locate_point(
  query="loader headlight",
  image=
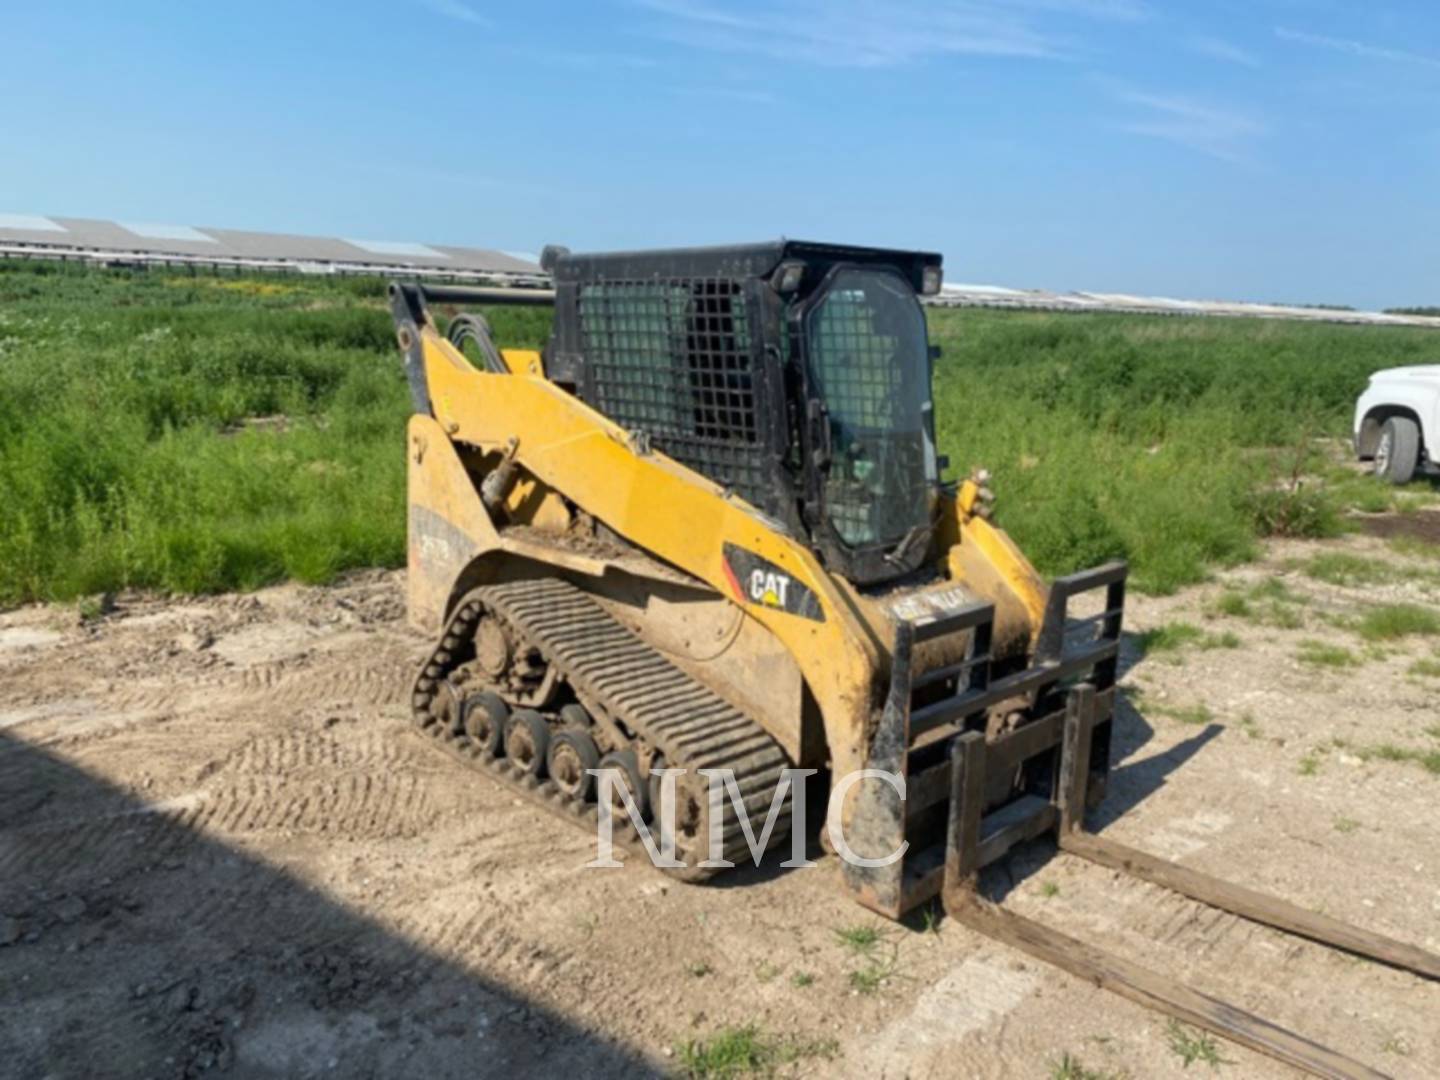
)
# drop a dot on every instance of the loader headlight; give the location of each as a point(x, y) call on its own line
point(930, 280)
point(787, 277)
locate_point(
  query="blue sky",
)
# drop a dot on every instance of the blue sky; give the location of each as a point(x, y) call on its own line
point(1249, 149)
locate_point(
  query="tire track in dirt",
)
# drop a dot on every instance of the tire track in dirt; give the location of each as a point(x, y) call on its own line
point(1193, 928)
point(261, 678)
point(293, 684)
point(58, 853)
point(341, 791)
point(283, 752)
point(490, 933)
point(350, 805)
point(1202, 938)
point(147, 698)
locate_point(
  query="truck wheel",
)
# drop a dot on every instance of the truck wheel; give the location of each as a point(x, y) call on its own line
point(1398, 453)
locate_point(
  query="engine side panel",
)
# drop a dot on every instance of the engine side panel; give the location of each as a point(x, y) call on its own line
point(448, 525)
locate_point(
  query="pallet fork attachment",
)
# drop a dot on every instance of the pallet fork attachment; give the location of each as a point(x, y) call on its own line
point(969, 829)
point(929, 714)
point(948, 759)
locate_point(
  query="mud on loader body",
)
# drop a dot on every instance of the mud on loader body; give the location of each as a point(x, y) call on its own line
point(707, 528)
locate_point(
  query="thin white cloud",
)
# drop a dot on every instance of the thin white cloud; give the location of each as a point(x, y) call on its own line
point(697, 11)
point(883, 33)
point(1220, 49)
point(456, 9)
point(1207, 129)
point(1357, 48)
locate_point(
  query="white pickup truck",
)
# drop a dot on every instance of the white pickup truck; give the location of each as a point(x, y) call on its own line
point(1397, 422)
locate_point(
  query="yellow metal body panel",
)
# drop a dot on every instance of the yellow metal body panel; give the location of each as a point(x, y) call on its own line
point(999, 551)
point(448, 524)
point(523, 361)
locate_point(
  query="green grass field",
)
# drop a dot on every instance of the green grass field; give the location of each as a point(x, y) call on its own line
point(203, 434)
point(1172, 441)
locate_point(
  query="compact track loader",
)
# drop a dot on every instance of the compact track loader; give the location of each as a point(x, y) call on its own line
point(708, 528)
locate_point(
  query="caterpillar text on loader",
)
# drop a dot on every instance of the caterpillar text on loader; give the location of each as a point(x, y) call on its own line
point(707, 528)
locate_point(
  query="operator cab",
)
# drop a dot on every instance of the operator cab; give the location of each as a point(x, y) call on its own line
point(797, 375)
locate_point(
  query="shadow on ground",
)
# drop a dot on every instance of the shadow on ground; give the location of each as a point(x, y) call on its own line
point(133, 945)
point(1133, 779)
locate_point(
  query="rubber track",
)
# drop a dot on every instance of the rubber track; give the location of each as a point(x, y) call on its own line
point(608, 665)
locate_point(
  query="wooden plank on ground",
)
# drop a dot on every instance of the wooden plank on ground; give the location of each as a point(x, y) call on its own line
point(1249, 904)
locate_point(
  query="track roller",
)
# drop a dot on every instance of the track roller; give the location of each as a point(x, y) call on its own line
point(629, 767)
point(572, 754)
point(486, 716)
point(527, 740)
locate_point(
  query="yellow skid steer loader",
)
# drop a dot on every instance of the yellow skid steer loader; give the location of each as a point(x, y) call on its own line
point(708, 528)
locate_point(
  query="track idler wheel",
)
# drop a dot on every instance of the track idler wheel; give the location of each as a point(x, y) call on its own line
point(493, 649)
point(486, 716)
point(572, 754)
point(527, 741)
point(629, 767)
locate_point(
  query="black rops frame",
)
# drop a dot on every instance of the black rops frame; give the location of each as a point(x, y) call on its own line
point(566, 361)
point(752, 267)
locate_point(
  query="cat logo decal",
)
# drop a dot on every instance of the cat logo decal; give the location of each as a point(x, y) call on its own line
point(754, 580)
point(768, 588)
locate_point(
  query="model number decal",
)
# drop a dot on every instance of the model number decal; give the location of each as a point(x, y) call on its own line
point(940, 602)
point(759, 581)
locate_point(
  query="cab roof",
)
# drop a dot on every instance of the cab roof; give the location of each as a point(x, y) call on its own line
point(728, 261)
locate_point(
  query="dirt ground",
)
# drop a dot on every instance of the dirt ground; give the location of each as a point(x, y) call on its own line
point(222, 849)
